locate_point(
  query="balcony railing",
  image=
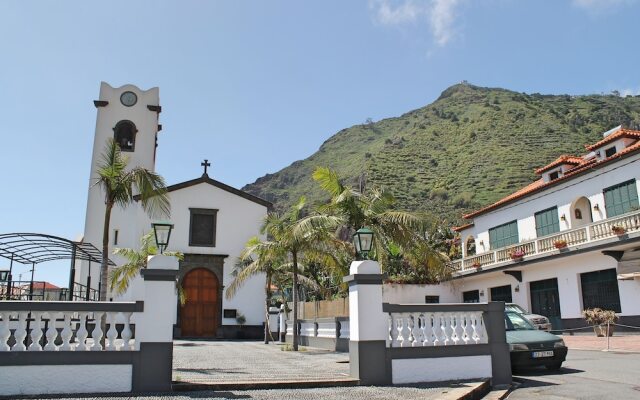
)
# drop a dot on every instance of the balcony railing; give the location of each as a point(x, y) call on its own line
point(605, 229)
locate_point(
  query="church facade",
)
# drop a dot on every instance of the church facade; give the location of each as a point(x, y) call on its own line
point(212, 223)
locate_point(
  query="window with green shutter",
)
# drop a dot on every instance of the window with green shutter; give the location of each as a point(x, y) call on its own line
point(503, 235)
point(600, 289)
point(621, 198)
point(547, 222)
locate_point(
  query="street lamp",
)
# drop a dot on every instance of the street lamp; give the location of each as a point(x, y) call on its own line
point(363, 241)
point(162, 232)
point(4, 274)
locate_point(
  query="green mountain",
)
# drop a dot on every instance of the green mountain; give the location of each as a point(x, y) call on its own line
point(469, 148)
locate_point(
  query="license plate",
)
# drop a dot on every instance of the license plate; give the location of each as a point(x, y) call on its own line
point(541, 354)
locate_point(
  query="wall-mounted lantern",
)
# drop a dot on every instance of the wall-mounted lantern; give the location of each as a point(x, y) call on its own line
point(4, 274)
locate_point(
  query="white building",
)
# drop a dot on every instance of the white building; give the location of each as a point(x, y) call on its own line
point(213, 222)
point(578, 202)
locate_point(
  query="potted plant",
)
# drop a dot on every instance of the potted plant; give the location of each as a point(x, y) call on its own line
point(618, 230)
point(241, 320)
point(560, 244)
point(601, 320)
point(517, 255)
point(477, 265)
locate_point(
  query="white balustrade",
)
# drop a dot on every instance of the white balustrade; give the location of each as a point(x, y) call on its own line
point(327, 329)
point(307, 328)
point(64, 330)
point(630, 223)
point(424, 329)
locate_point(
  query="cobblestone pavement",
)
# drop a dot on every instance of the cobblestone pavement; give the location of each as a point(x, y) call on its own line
point(592, 342)
point(236, 361)
point(339, 393)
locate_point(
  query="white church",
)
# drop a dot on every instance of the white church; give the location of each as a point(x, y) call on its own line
point(212, 222)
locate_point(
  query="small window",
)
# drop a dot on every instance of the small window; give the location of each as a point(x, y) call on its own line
point(472, 296)
point(432, 299)
point(229, 313)
point(202, 230)
point(125, 135)
point(578, 213)
point(471, 246)
point(115, 237)
point(610, 151)
point(554, 175)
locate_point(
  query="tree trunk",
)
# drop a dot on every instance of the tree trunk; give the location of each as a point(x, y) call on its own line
point(295, 301)
point(104, 267)
point(267, 328)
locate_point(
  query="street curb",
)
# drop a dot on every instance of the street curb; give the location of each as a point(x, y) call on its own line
point(476, 393)
point(298, 384)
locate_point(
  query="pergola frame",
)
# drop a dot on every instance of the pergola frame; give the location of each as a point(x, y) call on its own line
point(36, 248)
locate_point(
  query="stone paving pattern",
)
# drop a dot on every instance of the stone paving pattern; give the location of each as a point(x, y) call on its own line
point(592, 342)
point(236, 361)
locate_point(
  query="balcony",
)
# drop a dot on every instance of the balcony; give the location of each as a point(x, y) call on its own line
point(586, 235)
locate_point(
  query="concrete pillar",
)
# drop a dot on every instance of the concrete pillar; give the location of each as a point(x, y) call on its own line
point(368, 324)
point(154, 326)
point(500, 356)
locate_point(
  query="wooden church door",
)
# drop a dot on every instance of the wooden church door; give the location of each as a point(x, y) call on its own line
point(199, 316)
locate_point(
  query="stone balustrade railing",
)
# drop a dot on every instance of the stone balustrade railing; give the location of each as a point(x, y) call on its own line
point(414, 325)
point(67, 326)
point(325, 333)
point(592, 233)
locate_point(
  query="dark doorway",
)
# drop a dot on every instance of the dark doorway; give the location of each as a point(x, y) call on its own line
point(199, 316)
point(545, 300)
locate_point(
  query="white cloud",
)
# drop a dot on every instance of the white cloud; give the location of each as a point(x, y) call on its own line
point(601, 6)
point(439, 15)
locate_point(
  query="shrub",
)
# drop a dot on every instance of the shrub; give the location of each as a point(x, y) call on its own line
point(598, 316)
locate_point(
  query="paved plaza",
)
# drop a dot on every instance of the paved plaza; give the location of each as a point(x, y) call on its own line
point(246, 361)
point(618, 342)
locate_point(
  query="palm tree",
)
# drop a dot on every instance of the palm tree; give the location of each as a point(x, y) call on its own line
point(372, 209)
point(121, 277)
point(119, 185)
point(291, 238)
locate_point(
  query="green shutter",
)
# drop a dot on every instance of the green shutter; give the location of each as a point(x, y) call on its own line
point(503, 235)
point(547, 222)
point(621, 198)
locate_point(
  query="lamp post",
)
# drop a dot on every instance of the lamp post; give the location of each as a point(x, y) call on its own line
point(4, 274)
point(363, 242)
point(162, 233)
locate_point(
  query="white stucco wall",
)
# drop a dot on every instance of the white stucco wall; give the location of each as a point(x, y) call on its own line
point(401, 294)
point(567, 270)
point(561, 195)
point(440, 369)
point(56, 379)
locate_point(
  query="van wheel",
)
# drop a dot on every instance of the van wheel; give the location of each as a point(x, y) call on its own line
point(554, 366)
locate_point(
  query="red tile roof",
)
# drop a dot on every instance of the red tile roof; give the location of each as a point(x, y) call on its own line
point(622, 133)
point(40, 285)
point(572, 173)
point(563, 159)
point(462, 227)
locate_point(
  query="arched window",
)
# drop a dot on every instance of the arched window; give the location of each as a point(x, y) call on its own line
point(471, 246)
point(125, 135)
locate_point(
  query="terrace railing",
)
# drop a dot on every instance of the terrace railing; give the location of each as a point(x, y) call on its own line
point(585, 235)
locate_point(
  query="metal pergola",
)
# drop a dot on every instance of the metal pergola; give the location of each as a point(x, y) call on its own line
point(36, 248)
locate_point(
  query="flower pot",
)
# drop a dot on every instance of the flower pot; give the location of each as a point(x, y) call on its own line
point(517, 258)
point(560, 246)
point(601, 330)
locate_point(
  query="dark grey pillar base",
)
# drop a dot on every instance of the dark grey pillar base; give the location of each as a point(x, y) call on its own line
point(152, 367)
point(368, 362)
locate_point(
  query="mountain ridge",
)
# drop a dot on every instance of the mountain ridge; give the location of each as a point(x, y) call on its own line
point(470, 147)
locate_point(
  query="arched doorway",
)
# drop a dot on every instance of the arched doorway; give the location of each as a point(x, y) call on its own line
point(580, 212)
point(199, 315)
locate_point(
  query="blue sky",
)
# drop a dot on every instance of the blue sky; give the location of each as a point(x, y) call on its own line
point(256, 85)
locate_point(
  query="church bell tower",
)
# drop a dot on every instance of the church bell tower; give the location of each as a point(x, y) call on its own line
point(129, 115)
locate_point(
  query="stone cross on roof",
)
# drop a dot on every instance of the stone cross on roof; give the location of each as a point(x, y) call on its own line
point(205, 164)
